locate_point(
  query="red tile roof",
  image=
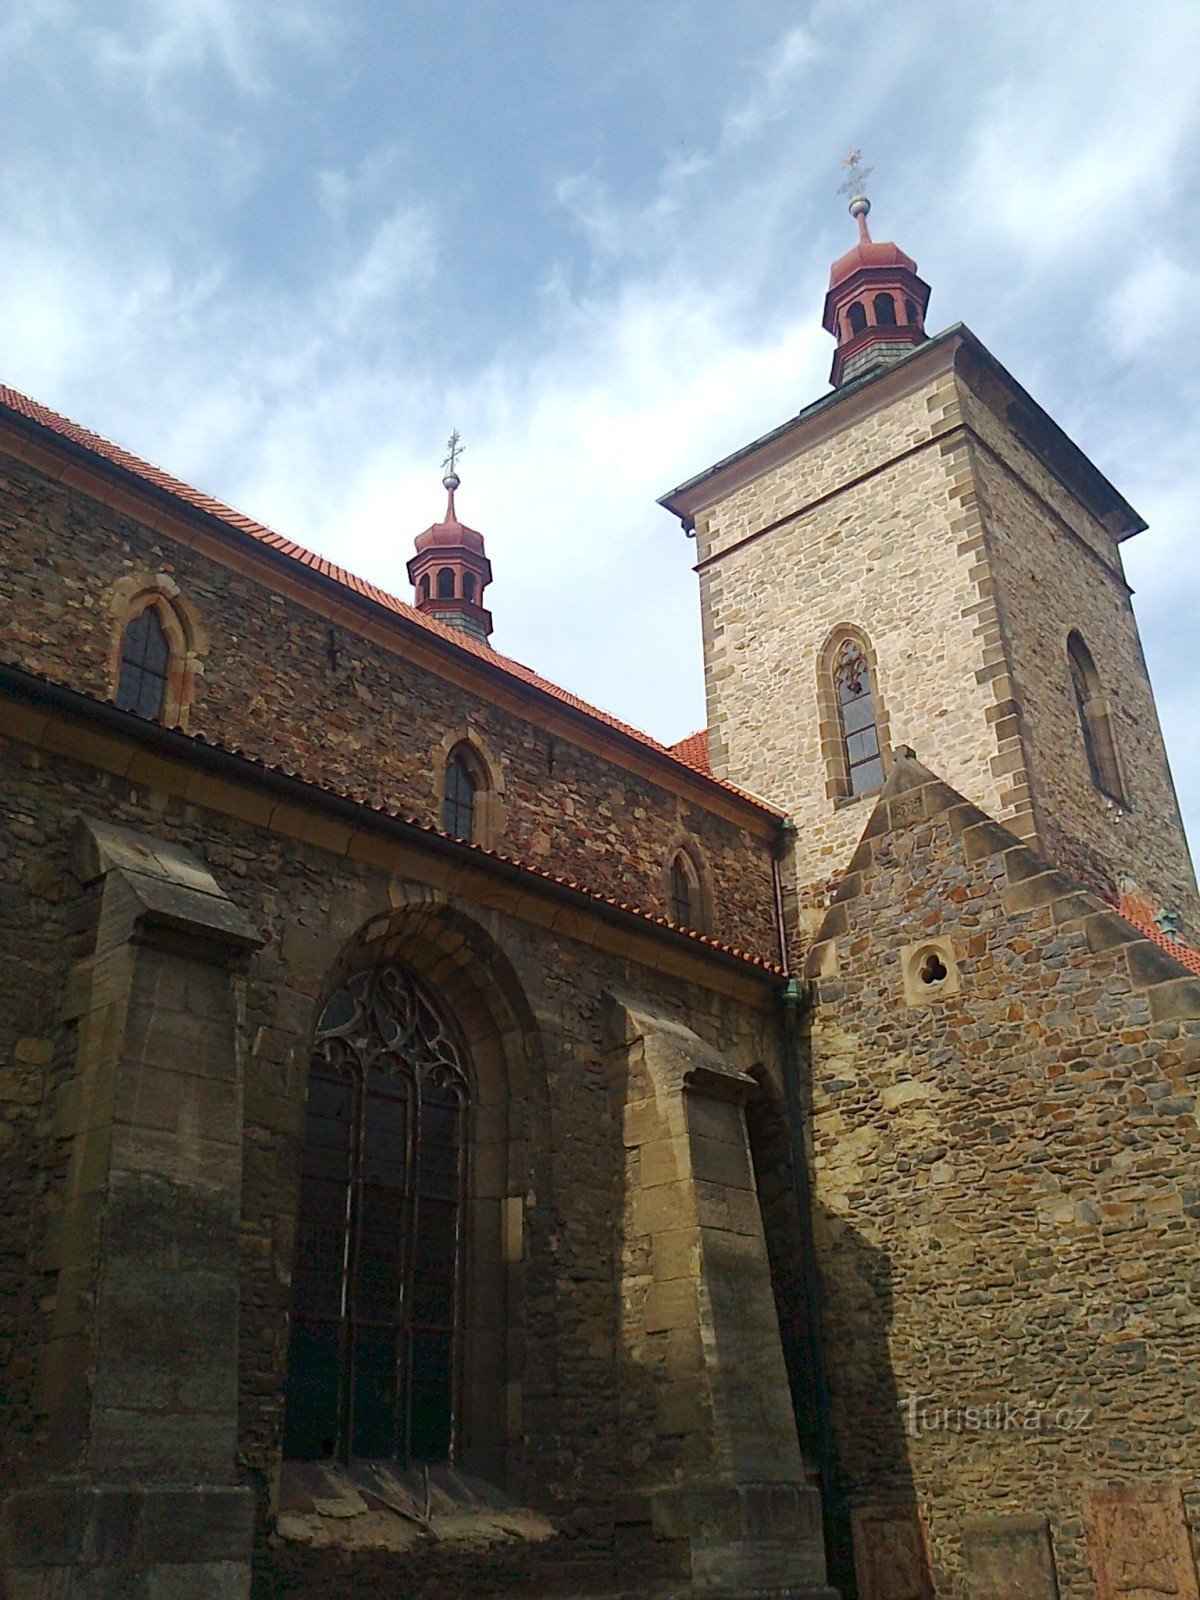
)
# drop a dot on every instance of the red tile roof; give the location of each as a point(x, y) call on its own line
point(64, 428)
point(693, 752)
point(1140, 914)
point(150, 732)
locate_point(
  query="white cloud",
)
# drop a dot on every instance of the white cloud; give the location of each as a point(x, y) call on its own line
point(1151, 306)
point(157, 41)
point(319, 401)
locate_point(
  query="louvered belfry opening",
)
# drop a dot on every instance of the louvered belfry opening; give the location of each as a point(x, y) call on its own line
point(377, 1284)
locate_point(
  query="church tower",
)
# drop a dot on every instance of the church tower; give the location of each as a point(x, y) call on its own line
point(923, 558)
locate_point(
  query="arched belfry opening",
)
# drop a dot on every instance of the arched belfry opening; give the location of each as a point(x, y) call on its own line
point(409, 1210)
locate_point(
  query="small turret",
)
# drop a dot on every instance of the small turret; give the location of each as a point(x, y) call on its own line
point(875, 307)
point(450, 570)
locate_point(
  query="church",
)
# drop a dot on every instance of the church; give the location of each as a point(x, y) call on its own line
point(455, 1144)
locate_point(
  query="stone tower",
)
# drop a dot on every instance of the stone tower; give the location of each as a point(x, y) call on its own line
point(923, 558)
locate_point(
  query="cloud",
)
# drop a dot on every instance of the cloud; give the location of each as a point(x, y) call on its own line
point(158, 41)
point(274, 329)
point(774, 92)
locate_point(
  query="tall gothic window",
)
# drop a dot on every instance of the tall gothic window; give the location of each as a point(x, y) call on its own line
point(1095, 722)
point(145, 661)
point(856, 708)
point(458, 801)
point(376, 1289)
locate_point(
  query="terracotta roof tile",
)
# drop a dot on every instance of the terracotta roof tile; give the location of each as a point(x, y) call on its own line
point(1140, 913)
point(64, 428)
point(139, 726)
point(693, 752)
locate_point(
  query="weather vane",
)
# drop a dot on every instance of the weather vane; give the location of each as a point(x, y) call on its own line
point(455, 448)
point(856, 180)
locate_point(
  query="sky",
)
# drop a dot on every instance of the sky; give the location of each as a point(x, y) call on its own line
point(283, 250)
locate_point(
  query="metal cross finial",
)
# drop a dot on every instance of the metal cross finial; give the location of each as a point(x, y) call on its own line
point(455, 447)
point(857, 174)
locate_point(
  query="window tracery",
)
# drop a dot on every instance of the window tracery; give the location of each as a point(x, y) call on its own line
point(376, 1288)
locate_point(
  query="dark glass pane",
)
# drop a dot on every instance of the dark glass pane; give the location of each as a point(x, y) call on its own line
point(376, 1393)
point(310, 1425)
point(437, 1226)
point(681, 895)
point(433, 1301)
point(385, 1140)
point(458, 810)
point(861, 746)
point(156, 652)
point(145, 658)
point(858, 713)
point(866, 777)
point(432, 1395)
point(320, 1249)
point(379, 1256)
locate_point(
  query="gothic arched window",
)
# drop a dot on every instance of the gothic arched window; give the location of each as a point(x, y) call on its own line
point(376, 1288)
point(458, 798)
point(445, 583)
point(683, 892)
point(145, 665)
point(1095, 721)
point(857, 317)
point(856, 709)
point(885, 311)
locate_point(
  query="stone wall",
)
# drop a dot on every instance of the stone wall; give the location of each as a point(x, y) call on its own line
point(1056, 569)
point(877, 528)
point(289, 686)
point(544, 1409)
point(1005, 1209)
point(913, 511)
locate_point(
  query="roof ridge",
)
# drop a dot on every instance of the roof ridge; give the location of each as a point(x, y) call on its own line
point(34, 411)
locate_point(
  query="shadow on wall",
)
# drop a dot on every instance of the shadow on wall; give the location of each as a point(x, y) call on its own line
point(833, 1323)
point(877, 1537)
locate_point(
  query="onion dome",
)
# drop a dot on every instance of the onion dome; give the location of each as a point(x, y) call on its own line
point(450, 569)
point(875, 307)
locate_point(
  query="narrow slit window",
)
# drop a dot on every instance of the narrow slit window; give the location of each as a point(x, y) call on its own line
point(856, 707)
point(458, 803)
point(145, 662)
point(376, 1288)
point(683, 894)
